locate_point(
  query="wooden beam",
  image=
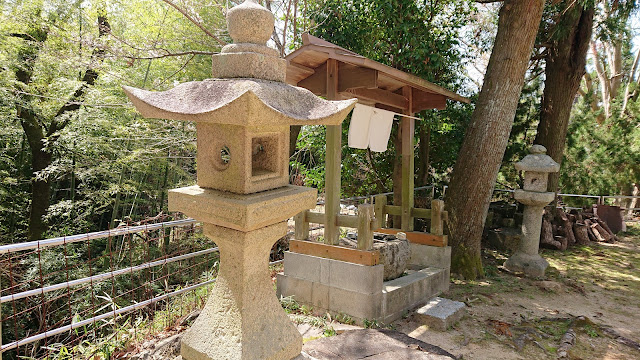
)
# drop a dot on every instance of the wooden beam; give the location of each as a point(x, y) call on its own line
point(437, 207)
point(368, 258)
point(380, 96)
point(380, 201)
point(333, 159)
point(407, 127)
point(301, 226)
point(394, 210)
point(297, 73)
point(353, 77)
point(365, 235)
point(317, 83)
point(421, 213)
point(424, 100)
point(419, 237)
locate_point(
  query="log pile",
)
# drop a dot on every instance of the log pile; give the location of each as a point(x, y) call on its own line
point(577, 227)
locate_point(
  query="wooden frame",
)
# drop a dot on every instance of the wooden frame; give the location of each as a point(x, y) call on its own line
point(362, 257)
point(419, 237)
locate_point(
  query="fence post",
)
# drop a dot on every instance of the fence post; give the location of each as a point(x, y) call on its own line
point(301, 227)
point(365, 234)
point(379, 204)
point(437, 207)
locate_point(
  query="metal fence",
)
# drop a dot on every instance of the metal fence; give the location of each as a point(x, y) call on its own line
point(66, 297)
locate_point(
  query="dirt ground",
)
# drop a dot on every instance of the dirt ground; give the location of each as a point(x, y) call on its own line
point(517, 318)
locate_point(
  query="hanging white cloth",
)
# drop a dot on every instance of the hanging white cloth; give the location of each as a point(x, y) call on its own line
point(359, 127)
point(380, 129)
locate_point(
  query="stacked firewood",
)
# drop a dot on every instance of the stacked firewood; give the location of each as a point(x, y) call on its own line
point(577, 227)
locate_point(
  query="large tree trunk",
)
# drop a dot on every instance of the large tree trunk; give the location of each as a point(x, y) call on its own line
point(565, 67)
point(485, 141)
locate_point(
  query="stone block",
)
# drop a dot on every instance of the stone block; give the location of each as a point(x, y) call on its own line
point(394, 255)
point(242, 212)
point(440, 314)
point(334, 273)
point(356, 304)
point(401, 295)
point(423, 256)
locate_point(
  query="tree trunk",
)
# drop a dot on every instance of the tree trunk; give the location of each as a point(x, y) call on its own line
point(485, 141)
point(293, 138)
point(40, 190)
point(565, 67)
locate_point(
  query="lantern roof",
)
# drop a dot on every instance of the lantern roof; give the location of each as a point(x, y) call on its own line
point(538, 161)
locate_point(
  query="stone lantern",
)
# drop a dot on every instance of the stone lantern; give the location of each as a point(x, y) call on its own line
point(536, 166)
point(243, 196)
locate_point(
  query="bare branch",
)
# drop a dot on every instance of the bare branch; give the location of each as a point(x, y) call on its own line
point(195, 22)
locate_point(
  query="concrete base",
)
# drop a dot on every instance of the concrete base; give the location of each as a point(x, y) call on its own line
point(531, 265)
point(242, 319)
point(440, 314)
point(357, 290)
point(402, 295)
point(423, 256)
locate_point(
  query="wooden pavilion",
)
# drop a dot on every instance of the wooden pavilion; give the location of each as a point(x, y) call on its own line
point(336, 74)
point(340, 279)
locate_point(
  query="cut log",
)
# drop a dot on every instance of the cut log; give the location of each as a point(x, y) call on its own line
point(567, 226)
point(594, 227)
point(581, 234)
point(564, 242)
point(590, 233)
point(606, 227)
point(546, 236)
point(606, 236)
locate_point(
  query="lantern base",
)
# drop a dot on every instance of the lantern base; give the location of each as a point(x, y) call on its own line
point(243, 319)
point(531, 265)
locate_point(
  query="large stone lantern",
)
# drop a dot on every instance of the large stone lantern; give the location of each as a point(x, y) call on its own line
point(536, 166)
point(243, 196)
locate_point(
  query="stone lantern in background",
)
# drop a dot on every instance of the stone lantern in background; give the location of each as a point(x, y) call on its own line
point(243, 196)
point(536, 166)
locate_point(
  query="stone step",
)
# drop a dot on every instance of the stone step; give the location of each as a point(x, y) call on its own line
point(402, 295)
point(440, 314)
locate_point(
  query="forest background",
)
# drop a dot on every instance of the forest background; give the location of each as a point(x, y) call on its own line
point(75, 157)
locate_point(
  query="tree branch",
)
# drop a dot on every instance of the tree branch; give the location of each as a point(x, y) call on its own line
point(196, 22)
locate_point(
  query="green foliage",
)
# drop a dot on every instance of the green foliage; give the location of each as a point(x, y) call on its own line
point(108, 164)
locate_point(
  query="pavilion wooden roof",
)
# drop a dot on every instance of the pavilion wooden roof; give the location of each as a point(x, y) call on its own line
point(371, 82)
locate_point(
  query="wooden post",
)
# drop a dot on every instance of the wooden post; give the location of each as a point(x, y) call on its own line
point(365, 234)
point(380, 201)
point(437, 207)
point(301, 227)
point(332, 163)
point(408, 128)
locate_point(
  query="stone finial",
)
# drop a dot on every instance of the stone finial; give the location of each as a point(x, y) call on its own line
point(251, 23)
point(538, 149)
point(250, 26)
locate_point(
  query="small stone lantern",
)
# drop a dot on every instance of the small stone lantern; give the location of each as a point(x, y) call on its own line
point(243, 196)
point(536, 166)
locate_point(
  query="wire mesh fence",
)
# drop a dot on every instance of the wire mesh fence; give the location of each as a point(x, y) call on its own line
point(74, 297)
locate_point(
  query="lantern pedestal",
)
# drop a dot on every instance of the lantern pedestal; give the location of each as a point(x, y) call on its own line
point(243, 318)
